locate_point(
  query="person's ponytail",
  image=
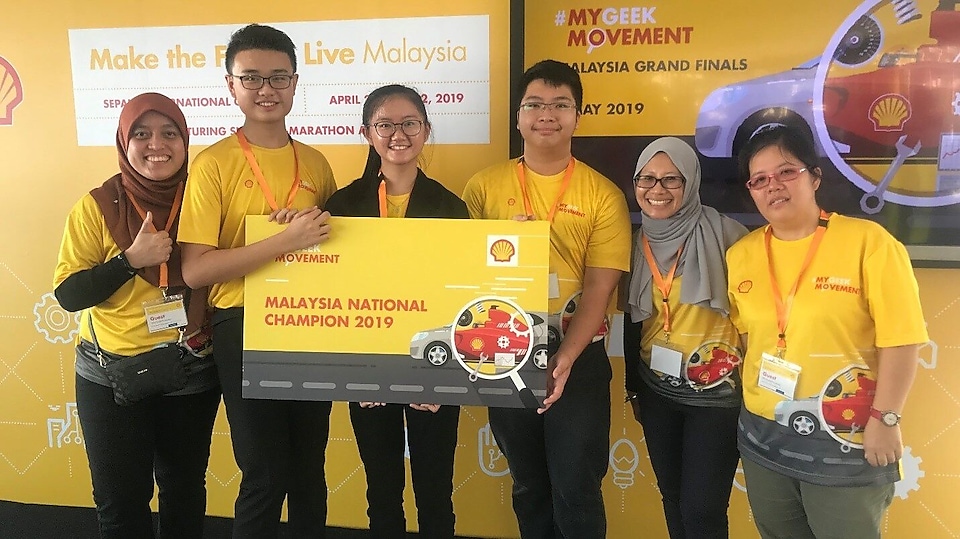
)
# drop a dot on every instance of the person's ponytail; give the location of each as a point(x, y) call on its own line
point(371, 170)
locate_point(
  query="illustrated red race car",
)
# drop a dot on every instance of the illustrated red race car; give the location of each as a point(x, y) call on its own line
point(707, 371)
point(916, 94)
point(567, 315)
point(498, 334)
point(851, 409)
point(913, 92)
point(847, 413)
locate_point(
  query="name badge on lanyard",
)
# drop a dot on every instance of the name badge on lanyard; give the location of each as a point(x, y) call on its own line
point(166, 313)
point(666, 359)
point(779, 375)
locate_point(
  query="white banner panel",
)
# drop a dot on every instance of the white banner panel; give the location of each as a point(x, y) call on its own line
point(447, 59)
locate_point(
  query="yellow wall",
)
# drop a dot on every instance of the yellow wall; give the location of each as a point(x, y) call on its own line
point(44, 172)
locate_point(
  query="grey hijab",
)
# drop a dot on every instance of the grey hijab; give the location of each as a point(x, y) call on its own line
point(700, 229)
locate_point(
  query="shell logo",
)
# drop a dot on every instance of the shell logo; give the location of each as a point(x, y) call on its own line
point(11, 91)
point(502, 250)
point(745, 286)
point(476, 344)
point(889, 112)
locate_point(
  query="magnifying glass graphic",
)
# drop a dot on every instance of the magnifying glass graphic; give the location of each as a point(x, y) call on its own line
point(493, 338)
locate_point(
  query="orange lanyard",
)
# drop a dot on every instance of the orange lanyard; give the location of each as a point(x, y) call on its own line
point(174, 210)
point(784, 306)
point(664, 285)
point(527, 206)
point(382, 195)
point(252, 161)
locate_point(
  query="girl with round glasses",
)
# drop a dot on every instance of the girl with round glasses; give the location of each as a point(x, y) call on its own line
point(395, 126)
point(682, 375)
point(830, 312)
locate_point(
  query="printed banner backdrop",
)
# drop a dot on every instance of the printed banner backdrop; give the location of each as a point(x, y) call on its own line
point(456, 315)
point(875, 83)
point(340, 61)
point(46, 170)
point(713, 73)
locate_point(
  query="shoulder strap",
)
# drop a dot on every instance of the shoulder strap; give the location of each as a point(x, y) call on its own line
point(93, 334)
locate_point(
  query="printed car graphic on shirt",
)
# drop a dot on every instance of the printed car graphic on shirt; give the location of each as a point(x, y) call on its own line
point(708, 371)
point(841, 412)
point(559, 322)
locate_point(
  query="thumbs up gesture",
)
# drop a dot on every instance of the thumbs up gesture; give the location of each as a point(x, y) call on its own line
point(150, 247)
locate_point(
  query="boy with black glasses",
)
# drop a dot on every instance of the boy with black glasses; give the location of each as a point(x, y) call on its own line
point(279, 445)
point(558, 454)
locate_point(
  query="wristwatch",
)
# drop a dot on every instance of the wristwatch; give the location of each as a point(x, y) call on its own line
point(126, 264)
point(888, 417)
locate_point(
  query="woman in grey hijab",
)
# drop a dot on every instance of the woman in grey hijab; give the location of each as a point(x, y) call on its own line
point(682, 375)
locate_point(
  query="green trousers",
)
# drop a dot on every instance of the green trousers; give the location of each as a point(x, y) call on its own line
point(787, 508)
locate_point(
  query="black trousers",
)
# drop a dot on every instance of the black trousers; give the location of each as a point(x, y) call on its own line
point(694, 455)
point(558, 459)
point(127, 446)
point(432, 441)
point(279, 447)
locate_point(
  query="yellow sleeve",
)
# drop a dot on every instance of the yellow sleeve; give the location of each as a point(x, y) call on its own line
point(202, 203)
point(893, 296)
point(474, 196)
point(732, 283)
point(82, 246)
point(610, 241)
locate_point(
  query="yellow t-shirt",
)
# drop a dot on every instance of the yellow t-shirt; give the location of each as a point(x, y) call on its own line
point(397, 205)
point(222, 191)
point(710, 346)
point(858, 294)
point(591, 226)
point(119, 322)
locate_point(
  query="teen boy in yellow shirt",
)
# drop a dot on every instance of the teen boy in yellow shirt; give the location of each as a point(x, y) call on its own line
point(558, 454)
point(279, 445)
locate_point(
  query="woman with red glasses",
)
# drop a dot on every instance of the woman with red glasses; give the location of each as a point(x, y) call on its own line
point(829, 310)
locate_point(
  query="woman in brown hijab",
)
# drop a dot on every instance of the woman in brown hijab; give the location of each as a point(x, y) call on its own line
point(118, 259)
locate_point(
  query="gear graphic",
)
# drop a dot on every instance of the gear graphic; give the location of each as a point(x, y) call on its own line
point(53, 322)
point(503, 342)
point(911, 474)
point(513, 326)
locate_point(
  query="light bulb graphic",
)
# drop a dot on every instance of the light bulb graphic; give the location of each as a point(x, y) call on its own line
point(624, 459)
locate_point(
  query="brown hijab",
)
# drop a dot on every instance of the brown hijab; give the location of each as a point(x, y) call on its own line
point(122, 219)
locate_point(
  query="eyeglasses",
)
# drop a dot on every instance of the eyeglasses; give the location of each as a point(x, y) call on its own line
point(541, 107)
point(409, 128)
point(668, 182)
point(787, 174)
point(255, 82)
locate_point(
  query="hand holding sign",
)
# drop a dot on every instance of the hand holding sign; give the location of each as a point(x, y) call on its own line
point(307, 228)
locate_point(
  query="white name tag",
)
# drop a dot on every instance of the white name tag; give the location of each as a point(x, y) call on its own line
point(666, 360)
point(166, 313)
point(554, 287)
point(779, 375)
